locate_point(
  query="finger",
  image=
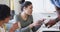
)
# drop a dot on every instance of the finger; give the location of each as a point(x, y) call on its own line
point(44, 19)
point(15, 23)
point(50, 26)
point(46, 24)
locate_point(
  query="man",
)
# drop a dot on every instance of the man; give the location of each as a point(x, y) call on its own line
point(4, 17)
point(52, 22)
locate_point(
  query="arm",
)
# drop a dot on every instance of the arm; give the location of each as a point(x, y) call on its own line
point(25, 29)
point(28, 28)
point(52, 22)
point(40, 22)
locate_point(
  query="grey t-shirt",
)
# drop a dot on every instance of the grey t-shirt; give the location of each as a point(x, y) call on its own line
point(25, 23)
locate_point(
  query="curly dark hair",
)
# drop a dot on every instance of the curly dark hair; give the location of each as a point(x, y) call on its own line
point(4, 11)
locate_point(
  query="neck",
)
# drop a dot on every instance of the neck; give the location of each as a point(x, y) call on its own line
point(1, 23)
point(24, 15)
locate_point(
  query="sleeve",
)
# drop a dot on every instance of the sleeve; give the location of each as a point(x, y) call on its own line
point(26, 29)
point(34, 29)
point(56, 3)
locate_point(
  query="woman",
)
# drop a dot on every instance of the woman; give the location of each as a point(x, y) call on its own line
point(26, 20)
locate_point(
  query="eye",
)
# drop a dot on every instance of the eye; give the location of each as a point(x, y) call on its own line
point(31, 8)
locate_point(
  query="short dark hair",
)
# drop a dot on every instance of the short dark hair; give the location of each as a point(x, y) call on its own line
point(25, 4)
point(4, 11)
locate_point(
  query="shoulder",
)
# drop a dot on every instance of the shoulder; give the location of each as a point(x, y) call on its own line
point(18, 15)
point(31, 17)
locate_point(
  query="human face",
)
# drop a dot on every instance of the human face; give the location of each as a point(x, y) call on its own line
point(28, 10)
point(6, 20)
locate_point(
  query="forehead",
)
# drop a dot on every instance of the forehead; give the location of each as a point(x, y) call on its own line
point(30, 6)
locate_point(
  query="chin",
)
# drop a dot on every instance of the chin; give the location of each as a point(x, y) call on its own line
point(30, 14)
point(6, 22)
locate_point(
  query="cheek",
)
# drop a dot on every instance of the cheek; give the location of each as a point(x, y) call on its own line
point(30, 11)
point(7, 20)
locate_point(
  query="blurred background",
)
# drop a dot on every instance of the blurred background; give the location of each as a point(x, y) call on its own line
point(41, 9)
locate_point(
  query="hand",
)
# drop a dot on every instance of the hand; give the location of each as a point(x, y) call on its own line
point(15, 26)
point(50, 23)
point(38, 23)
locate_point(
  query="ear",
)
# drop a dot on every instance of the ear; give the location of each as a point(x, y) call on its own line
point(24, 8)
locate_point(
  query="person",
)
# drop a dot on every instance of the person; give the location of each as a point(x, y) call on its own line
point(26, 20)
point(4, 17)
point(52, 22)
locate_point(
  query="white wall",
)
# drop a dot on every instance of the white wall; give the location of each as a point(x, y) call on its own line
point(5, 2)
point(42, 6)
point(17, 6)
point(43, 9)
